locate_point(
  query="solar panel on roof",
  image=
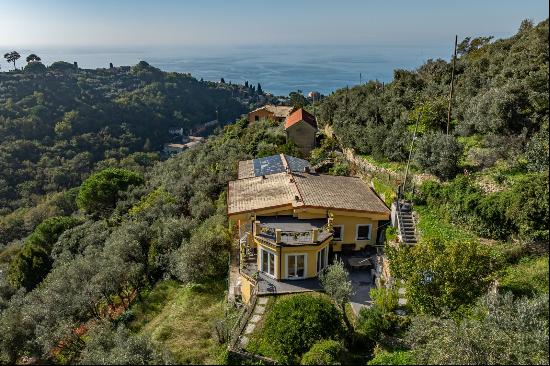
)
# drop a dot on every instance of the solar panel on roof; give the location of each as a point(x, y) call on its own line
point(295, 164)
point(274, 164)
point(268, 165)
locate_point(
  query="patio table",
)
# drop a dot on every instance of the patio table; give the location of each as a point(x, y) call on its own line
point(358, 262)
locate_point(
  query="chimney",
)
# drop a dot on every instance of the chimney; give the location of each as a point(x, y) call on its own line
point(306, 169)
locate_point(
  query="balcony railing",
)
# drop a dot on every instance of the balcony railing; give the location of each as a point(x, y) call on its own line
point(278, 236)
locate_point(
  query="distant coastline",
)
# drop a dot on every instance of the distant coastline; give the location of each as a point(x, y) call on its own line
point(280, 69)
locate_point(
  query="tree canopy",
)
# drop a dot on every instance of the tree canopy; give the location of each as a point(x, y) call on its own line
point(100, 192)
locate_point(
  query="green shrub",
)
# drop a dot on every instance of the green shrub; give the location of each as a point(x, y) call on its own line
point(295, 323)
point(384, 299)
point(339, 169)
point(372, 323)
point(527, 278)
point(522, 209)
point(441, 274)
point(325, 352)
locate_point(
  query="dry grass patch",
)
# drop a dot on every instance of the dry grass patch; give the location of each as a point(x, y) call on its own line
point(181, 319)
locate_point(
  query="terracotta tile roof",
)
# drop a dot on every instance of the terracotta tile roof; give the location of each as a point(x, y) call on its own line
point(250, 194)
point(300, 115)
point(313, 190)
point(278, 110)
point(246, 169)
point(338, 192)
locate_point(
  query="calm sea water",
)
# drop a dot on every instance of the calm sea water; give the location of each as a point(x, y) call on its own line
point(279, 69)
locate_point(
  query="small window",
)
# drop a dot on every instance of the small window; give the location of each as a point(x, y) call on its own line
point(338, 232)
point(363, 232)
point(256, 118)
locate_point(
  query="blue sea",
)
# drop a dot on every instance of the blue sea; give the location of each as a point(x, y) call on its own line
point(279, 69)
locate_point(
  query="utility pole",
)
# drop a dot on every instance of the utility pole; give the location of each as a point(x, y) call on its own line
point(410, 154)
point(313, 102)
point(360, 78)
point(452, 86)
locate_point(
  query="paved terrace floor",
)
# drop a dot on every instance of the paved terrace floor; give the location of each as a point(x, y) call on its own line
point(269, 286)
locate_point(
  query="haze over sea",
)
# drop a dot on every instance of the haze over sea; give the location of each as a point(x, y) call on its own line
point(279, 69)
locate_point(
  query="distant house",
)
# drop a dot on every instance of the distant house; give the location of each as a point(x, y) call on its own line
point(301, 128)
point(192, 141)
point(291, 222)
point(171, 149)
point(276, 113)
point(175, 131)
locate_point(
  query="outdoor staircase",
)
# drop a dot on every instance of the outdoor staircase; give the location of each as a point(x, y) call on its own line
point(406, 224)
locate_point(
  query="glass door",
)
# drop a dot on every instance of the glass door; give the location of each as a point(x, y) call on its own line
point(268, 262)
point(322, 259)
point(296, 266)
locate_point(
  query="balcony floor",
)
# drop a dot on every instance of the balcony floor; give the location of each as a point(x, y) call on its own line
point(290, 223)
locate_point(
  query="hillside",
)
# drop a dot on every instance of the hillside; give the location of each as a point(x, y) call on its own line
point(83, 272)
point(476, 284)
point(499, 121)
point(60, 123)
point(113, 256)
point(496, 154)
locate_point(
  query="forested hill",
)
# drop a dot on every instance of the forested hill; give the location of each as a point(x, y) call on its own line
point(58, 122)
point(499, 110)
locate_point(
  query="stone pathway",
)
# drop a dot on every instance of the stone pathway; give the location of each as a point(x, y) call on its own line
point(401, 299)
point(257, 314)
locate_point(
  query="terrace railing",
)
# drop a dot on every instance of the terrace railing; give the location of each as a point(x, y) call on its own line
point(293, 237)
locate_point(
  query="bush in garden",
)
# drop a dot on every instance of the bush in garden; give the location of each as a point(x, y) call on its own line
point(372, 322)
point(295, 323)
point(325, 352)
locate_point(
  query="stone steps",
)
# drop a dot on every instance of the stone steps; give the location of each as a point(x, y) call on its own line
point(255, 318)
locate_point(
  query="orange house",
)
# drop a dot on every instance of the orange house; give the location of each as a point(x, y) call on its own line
point(301, 128)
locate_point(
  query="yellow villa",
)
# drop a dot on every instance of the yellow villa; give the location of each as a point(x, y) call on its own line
point(291, 221)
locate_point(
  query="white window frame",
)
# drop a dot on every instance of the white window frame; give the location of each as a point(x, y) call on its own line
point(357, 231)
point(268, 252)
point(341, 233)
point(296, 266)
point(325, 264)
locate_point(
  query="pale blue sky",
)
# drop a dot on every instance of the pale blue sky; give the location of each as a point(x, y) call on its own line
point(43, 23)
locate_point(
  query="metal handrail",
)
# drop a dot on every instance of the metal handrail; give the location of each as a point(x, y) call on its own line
point(399, 222)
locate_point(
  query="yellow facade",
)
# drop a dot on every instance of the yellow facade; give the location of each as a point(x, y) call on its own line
point(281, 255)
point(247, 288)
